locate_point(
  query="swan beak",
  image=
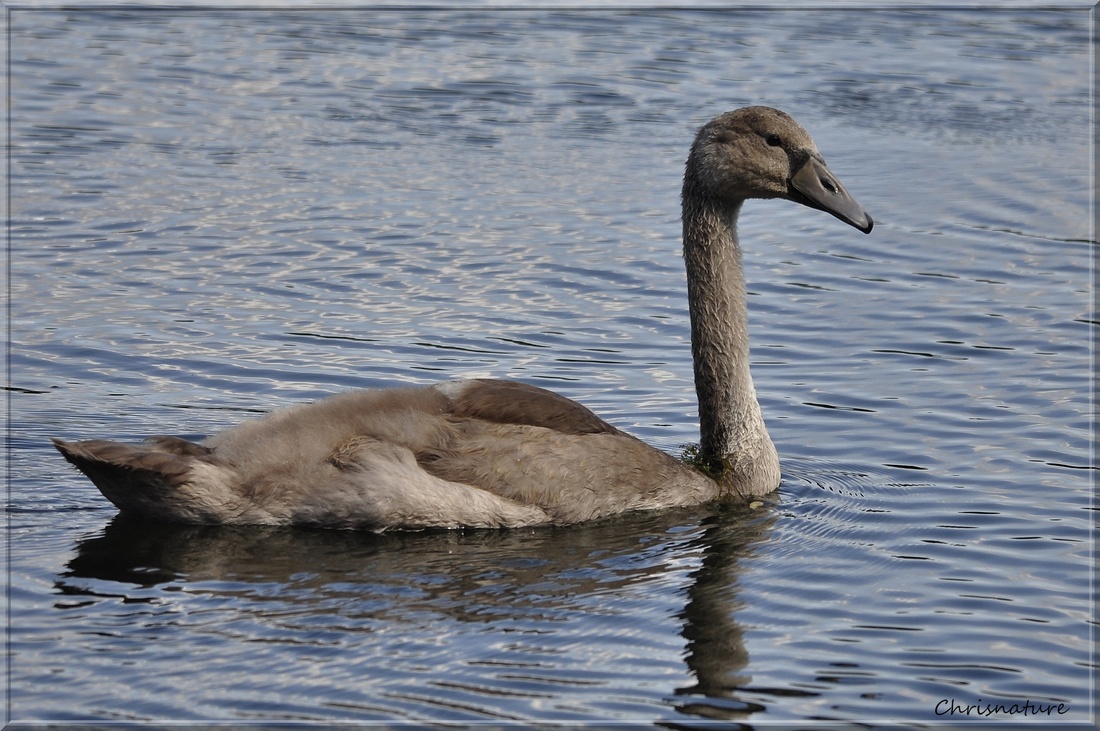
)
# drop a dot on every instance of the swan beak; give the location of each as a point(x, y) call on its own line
point(815, 186)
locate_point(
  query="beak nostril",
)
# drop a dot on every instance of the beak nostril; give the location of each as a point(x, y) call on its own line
point(828, 185)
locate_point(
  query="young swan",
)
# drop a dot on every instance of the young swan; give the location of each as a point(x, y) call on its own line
point(492, 454)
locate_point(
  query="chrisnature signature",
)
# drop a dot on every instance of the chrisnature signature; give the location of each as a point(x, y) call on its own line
point(950, 707)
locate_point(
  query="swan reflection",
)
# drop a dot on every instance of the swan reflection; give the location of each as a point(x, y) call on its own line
point(321, 586)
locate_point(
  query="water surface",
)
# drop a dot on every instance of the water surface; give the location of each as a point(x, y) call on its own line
point(215, 214)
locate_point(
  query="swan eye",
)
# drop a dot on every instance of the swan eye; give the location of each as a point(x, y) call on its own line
point(773, 140)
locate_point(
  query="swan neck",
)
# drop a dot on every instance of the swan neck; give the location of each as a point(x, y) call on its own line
point(733, 439)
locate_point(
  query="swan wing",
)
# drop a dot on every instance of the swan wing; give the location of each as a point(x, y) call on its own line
point(512, 402)
point(480, 453)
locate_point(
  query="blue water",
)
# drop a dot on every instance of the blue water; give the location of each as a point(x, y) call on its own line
point(215, 214)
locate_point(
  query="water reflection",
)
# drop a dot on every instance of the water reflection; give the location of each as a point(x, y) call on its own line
point(303, 583)
point(716, 653)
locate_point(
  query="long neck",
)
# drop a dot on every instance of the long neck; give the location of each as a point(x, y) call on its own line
point(734, 442)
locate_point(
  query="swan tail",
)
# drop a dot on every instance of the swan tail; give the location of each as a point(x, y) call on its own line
point(163, 479)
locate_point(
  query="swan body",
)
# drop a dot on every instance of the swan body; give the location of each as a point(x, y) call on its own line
point(488, 453)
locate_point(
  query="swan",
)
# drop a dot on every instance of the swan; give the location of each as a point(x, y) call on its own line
point(485, 453)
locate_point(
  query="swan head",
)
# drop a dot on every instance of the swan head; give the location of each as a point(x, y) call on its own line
point(760, 152)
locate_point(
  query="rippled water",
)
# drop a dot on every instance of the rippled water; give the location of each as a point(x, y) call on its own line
point(218, 213)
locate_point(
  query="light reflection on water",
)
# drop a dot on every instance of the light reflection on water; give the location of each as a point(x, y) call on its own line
point(215, 214)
